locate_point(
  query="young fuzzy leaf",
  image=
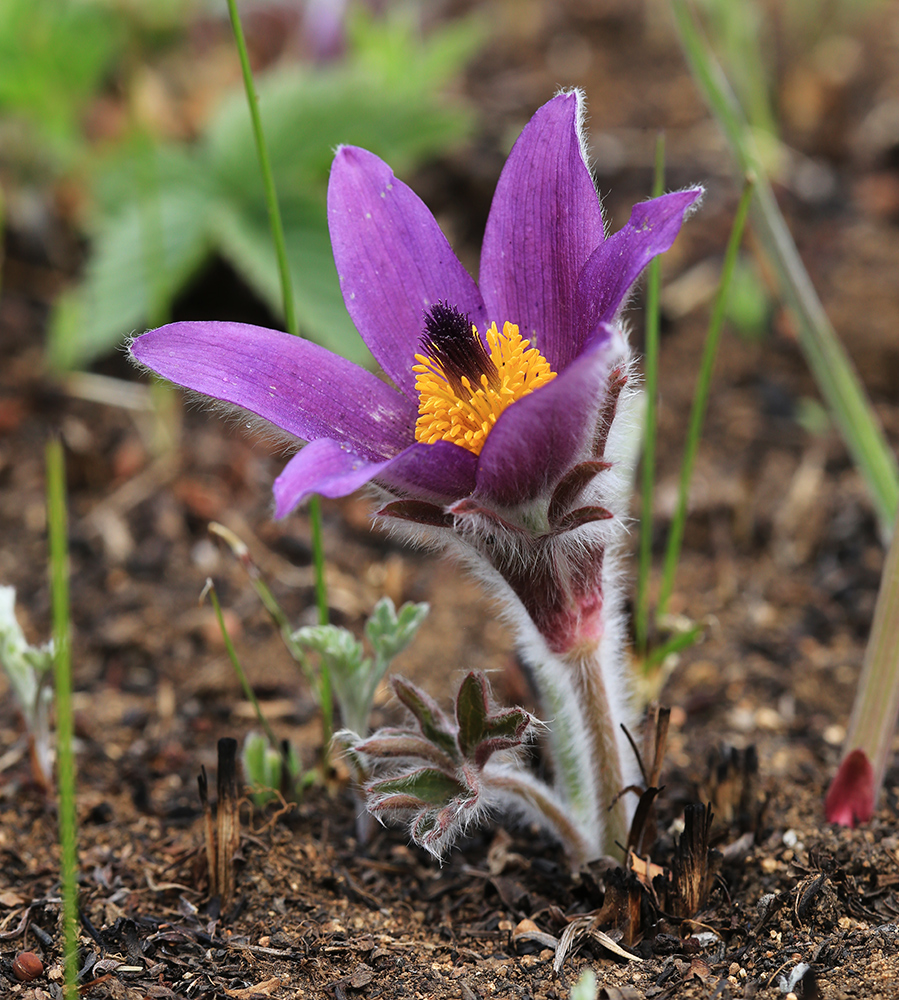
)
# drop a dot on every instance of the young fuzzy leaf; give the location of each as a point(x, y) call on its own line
point(435, 826)
point(471, 712)
point(336, 645)
point(427, 786)
point(435, 726)
point(390, 632)
point(26, 666)
point(490, 745)
point(417, 511)
point(482, 733)
point(581, 516)
point(400, 744)
point(571, 485)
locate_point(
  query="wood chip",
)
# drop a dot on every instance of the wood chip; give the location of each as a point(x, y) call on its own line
point(263, 989)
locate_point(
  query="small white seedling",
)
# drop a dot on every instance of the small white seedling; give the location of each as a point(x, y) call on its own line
point(29, 670)
point(585, 987)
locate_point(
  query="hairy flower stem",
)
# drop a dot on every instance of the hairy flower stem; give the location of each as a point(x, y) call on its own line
point(521, 788)
point(584, 744)
point(607, 765)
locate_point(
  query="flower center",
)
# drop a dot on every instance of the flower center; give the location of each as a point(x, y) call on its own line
point(461, 388)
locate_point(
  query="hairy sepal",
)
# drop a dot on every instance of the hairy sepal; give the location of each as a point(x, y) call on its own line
point(437, 776)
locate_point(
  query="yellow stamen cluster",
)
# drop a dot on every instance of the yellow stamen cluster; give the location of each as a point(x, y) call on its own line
point(468, 417)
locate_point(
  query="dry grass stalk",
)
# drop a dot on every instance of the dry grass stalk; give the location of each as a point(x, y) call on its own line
point(222, 833)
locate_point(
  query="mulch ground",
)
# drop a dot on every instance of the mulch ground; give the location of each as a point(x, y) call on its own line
point(781, 562)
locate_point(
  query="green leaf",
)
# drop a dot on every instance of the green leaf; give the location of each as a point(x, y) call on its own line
point(428, 786)
point(471, 712)
point(142, 257)
point(434, 724)
point(390, 632)
point(482, 732)
point(242, 235)
point(338, 646)
point(386, 744)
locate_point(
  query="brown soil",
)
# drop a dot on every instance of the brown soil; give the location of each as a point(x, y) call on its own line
point(781, 560)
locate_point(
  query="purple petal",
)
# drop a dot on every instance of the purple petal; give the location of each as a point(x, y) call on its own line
point(440, 472)
point(544, 224)
point(323, 466)
point(393, 261)
point(538, 438)
point(291, 382)
point(614, 267)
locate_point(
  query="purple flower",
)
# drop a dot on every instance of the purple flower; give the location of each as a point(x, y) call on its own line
point(497, 387)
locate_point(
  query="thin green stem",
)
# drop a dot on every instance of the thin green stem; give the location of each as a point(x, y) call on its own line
point(268, 178)
point(682, 640)
point(321, 599)
point(235, 662)
point(828, 361)
point(269, 601)
point(290, 315)
point(57, 528)
point(320, 683)
point(651, 370)
point(701, 399)
point(318, 559)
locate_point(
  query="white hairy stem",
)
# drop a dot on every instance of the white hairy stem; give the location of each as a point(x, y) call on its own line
point(516, 791)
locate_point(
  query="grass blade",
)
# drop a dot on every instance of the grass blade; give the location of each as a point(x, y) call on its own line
point(828, 361)
point(290, 312)
point(235, 661)
point(651, 374)
point(265, 166)
point(57, 529)
point(700, 400)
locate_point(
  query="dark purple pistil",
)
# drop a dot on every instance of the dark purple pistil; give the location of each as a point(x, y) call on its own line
point(448, 340)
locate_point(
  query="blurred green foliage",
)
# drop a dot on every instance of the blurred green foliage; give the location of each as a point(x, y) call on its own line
point(750, 38)
point(164, 209)
point(741, 35)
point(54, 57)
point(749, 306)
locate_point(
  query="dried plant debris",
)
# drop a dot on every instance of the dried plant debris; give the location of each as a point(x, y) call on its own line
point(222, 834)
point(684, 891)
point(733, 789)
point(643, 825)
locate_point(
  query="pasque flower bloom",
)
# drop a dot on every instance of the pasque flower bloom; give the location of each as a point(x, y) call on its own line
point(494, 434)
point(546, 267)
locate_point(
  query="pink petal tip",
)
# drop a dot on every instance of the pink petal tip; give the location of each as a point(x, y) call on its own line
point(850, 798)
